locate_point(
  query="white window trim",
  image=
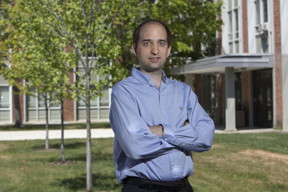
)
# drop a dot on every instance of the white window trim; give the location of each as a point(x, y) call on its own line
point(225, 28)
point(37, 109)
point(10, 108)
point(263, 28)
point(98, 107)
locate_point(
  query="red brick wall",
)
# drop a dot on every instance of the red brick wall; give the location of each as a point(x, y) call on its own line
point(278, 68)
point(220, 91)
point(245, 27)
point(69, 105)
point(246, 91)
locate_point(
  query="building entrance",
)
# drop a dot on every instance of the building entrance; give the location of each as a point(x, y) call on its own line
point(263, 98)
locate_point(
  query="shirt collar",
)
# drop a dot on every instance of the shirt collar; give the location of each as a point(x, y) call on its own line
point(144, 78)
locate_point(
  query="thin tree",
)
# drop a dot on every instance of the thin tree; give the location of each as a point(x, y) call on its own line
point(35, 57)
point(85, 26)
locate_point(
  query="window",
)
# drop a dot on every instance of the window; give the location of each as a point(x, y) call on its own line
point(209, 94)
point(262, 26)
point(4, 100)
point(99, 106)
point(36, 108)
point(233, 22)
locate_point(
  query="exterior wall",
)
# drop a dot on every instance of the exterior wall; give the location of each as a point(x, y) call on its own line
point(17, 108)
point(69, 105)
point(245, 27)
point(251, 14)
point(221, 95)
point(246, 90)
point(278, 104)
point(284, 59)
point(285, 91)
point(248, 44)
point(69, 110)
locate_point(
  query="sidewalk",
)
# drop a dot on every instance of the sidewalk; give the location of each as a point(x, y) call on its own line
point(54, 134)
point(81, 134)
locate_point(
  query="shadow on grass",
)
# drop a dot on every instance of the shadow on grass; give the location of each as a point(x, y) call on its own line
point(74, 145)
point(80, 155)
point(102, 182)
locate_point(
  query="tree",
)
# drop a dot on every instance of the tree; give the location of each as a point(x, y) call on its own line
point(193, 24)
point(39, 58)
point(85, 26)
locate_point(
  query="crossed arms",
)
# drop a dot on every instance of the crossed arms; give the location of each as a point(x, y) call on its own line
point(140, 141)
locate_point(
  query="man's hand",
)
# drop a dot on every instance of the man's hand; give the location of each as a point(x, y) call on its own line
point(186, 123)
point(157, 130)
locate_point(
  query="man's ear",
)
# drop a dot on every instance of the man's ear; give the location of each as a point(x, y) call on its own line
point(133, 49)
point(169, 51)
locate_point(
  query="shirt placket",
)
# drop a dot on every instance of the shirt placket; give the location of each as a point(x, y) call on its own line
point(174, 159)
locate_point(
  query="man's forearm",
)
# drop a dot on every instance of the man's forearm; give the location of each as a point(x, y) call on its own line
point(157, 130)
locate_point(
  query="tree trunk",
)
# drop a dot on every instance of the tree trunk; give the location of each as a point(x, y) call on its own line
point(47, 121)
point(17, 107)
point(88, 139)
point(62, 132)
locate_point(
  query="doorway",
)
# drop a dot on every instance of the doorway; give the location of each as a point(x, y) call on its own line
point(263, 98)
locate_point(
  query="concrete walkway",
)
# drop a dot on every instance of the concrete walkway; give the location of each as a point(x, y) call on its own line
point(81, 133)
point(53, 134)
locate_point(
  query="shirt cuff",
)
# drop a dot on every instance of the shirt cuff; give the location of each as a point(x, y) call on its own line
point(168, 133)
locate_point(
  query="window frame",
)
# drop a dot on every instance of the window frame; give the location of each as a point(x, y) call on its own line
point(234, 26)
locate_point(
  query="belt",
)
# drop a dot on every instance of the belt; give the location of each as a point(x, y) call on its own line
point(169, 186)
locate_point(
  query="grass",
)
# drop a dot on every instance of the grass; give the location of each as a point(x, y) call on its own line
point(53, 126)
point(237, 162)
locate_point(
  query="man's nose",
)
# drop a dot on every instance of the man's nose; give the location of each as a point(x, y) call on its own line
point(155, 49)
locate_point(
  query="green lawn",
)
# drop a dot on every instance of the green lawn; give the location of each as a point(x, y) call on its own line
point(237, 162)
point(53, 126)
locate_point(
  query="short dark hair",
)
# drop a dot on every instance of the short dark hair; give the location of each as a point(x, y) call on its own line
point(136, 33)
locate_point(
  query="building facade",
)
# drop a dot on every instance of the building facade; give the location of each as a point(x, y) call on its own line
point(246, 84)
point(31, 109)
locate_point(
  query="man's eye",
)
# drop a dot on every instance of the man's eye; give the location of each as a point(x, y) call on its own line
point(162, 43)
point(146, 43)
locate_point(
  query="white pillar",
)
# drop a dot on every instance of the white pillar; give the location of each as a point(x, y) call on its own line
point(230, 112)
point(284, 46)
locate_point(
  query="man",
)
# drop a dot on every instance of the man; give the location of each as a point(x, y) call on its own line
point(157, 121)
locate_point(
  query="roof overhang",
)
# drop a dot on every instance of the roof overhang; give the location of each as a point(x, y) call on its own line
point(217, 64)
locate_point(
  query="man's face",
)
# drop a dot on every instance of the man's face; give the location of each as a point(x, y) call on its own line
point(152, 48)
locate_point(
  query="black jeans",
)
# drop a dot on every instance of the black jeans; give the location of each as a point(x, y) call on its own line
point(133, 184)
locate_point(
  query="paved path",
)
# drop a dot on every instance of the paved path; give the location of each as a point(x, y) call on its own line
point(54, 134)
point(81, 133)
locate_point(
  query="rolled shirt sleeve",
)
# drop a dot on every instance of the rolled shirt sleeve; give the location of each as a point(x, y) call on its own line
point(130, 129)
point(198, 135)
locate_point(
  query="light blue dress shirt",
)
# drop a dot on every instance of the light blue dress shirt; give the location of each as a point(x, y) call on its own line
point(136, 104)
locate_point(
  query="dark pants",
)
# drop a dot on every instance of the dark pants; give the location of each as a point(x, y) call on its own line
point(133, 184)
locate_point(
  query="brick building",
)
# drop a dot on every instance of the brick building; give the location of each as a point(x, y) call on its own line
point(246, 84)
